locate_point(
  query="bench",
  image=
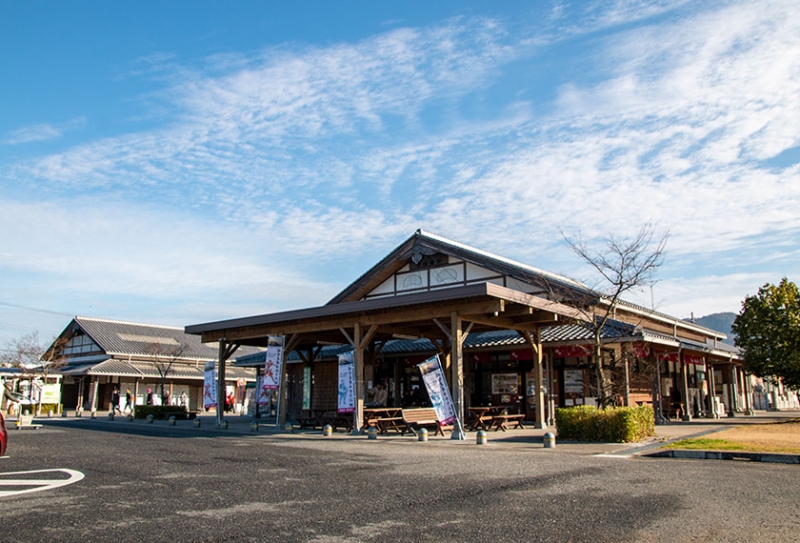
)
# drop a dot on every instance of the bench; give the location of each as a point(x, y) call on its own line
point(499, 422)
point(414, 419)
point(26, 421)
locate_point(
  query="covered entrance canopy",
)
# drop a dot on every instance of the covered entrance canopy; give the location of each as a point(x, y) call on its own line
point(427, 288)
point(443, 316)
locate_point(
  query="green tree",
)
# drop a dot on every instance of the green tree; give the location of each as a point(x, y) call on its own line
point(768, 332)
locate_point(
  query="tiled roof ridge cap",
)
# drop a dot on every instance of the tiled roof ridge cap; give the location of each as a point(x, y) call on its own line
point(115, 321)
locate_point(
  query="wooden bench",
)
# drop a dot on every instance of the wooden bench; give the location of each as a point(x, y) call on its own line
point(499, 422)
point(414, 419)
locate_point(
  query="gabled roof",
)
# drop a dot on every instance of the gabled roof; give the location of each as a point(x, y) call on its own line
point(120, 338)
point(425, 243)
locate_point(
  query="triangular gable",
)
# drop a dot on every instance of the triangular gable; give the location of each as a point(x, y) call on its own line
point(426, 262)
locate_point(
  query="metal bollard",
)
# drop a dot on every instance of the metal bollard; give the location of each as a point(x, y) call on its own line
point(549, 440)
point(422, 435)
point(223, 424)
point(327, 430)
point(196, 423)
point(150, 418)
point(172, 420)
point(94, 414)
point(64, 414)
point(130, 417)
point(372, 432)
point(289, 427)
point(481, 438)
point(111, 416)
point(254, 426)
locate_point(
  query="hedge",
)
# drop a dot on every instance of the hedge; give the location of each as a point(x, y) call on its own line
point(612, 425)
point(160, 411)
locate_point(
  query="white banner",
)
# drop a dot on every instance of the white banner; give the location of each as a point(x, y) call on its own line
point(436, 384)
point(347, 384)
point(273, 367)
point(209, 385)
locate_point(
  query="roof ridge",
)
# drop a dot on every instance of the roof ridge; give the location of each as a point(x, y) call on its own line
point(495, 256)
point(115, 321)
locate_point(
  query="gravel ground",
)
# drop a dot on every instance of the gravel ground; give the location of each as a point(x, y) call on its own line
point(301, 488)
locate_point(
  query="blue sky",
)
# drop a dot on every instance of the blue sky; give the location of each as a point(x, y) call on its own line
point(180, 162)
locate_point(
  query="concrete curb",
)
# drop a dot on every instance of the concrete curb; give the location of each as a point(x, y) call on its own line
point(775, 458)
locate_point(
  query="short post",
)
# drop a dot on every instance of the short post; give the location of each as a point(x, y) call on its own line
point(64, 414)
point(372, 432)
point(549, 440)
point(289, 427)
point(481, 438)
point(130, 417)
point(327, 430)
point(94, 414)
point(223, 424)
point(150, 418)
point(422, 435)
point(196, 423)
point(172, 420)
point(111, 416)
point(254, 426)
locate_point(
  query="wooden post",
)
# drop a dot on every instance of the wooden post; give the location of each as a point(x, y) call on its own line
point(687, 409)
point(541, 421)
point(358, 363)
point(457, 374)
point(713, 413)
point(626, 359)
point(221, 380)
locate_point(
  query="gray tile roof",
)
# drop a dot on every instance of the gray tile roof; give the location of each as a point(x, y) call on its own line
point(137, 339)
point(551, 335)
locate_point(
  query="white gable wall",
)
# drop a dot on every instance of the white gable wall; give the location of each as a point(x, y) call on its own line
point(455, 273)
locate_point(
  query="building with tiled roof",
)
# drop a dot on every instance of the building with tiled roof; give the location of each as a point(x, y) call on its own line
point(98, 355)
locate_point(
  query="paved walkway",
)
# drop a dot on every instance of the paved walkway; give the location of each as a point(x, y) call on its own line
point(525, 438)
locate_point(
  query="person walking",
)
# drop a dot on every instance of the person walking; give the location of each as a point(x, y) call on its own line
point(115, 402)
point(128, 401)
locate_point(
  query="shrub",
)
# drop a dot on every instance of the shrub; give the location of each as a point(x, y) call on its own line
point(612, 425)
point(160, 411)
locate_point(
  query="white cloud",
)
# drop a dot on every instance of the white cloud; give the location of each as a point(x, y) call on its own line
point(42, 132)
point(327, 155)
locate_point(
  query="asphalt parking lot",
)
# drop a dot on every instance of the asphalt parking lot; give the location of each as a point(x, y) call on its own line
point(159, 483)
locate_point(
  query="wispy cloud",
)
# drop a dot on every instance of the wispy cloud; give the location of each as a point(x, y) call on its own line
point(42, 132)
point(319, 152)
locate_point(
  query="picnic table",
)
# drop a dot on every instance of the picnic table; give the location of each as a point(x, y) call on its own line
point(384, 419)
point(318, 418)
point(495, 417)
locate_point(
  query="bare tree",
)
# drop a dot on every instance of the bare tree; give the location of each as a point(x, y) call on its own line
point(164, 356)
point(623, 264)
point(35, 356)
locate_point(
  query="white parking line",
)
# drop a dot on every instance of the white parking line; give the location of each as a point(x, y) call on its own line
point(37, 485)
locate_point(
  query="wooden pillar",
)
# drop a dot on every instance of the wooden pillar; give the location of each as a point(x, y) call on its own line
point(457, 374)
point(687, 412)
point(221, 380)
point(534, 340)
point(358, 363)
point(713, 413)
point(748, 395)
point(658, 393)
point(551, 402)
point(625, 353)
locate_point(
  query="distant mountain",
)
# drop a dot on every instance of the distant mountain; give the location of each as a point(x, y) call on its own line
point(721, 322)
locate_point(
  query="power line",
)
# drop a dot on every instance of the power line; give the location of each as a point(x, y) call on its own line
point(36, 309)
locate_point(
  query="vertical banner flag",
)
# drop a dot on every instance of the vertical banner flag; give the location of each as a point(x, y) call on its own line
point(347, 384)
point(209, 385)
point(271, 380)
point(436, 384)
